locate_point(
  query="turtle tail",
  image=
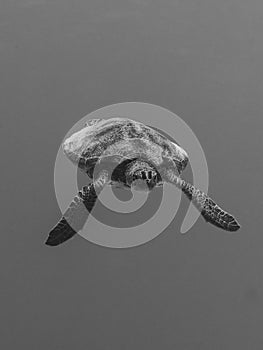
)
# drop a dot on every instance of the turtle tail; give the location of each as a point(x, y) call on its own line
point(210, 211)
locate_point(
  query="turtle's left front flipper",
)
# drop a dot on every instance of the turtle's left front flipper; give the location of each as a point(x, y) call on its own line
point(77, 213)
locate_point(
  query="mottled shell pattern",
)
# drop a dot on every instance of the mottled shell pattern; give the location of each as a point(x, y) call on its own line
point(123, 138)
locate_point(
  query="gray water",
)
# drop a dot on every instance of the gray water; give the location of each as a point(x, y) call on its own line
point(60, 60)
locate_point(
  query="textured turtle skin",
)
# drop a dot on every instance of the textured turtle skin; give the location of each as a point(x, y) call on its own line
point(75, 216)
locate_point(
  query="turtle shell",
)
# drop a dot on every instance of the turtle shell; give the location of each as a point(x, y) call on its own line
point(119, 139)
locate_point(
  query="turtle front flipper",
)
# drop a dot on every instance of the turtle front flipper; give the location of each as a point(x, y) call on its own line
point(77, 213)
point(209, 209)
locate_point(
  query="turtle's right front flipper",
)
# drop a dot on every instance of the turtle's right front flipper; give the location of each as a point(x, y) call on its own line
point(210, 211)
point(77, 213)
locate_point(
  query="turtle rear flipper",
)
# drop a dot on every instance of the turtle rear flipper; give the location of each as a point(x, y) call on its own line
point(77, 213)
point(209, 209)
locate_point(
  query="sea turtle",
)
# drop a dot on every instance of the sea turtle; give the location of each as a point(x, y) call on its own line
point(123, 152)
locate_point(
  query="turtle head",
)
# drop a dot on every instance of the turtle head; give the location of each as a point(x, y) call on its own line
point(141, 175)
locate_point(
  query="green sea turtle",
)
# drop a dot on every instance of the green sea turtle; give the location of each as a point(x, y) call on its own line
point(123, 152)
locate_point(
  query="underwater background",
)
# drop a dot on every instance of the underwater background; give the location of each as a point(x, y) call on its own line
point(60, 60)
